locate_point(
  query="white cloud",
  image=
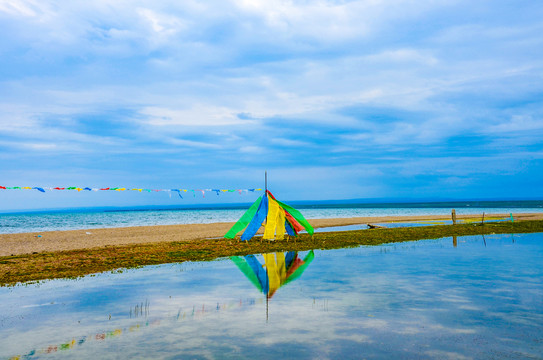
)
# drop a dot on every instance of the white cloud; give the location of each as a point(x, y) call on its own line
point(524, 123)
point(403, 55)
point(192, 144)
point(161, 23)
point(289, 142)
point(315, 20)
point(21, 8)
point(251, 149)
point(199, 115)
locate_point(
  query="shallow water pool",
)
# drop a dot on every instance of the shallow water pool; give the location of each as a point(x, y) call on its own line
point(458, 298)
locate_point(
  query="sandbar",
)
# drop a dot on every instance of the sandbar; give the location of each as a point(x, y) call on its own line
point(51, 241)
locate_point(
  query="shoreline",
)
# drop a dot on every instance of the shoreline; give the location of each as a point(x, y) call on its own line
point(72, 264)
point(65, 240)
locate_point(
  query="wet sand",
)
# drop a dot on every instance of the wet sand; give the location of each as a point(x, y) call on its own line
point(26, 243)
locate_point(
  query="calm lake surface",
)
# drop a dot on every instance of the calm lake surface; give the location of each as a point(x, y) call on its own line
point(463, 298)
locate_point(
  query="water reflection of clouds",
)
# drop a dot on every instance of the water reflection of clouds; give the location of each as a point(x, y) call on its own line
point(196, 313)
point(424, 299)
point(454, 295)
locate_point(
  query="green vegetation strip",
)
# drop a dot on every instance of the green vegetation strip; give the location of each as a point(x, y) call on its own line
point(75, 263)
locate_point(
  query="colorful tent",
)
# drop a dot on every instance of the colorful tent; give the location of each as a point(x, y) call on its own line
point(279, 269)
point(279, 217)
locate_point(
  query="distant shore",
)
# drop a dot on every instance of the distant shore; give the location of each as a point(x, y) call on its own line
point(52, 241)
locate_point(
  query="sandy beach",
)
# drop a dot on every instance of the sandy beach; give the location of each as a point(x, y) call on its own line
point(27, 243)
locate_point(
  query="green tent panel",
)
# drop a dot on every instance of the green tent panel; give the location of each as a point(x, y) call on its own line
point(244, 220)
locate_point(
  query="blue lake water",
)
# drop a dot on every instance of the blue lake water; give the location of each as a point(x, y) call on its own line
point(89, 219)
point(464, 298)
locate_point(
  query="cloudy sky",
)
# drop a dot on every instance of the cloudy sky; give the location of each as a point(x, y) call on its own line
point(336, 99)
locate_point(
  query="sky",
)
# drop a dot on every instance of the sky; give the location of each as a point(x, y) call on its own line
point(385, 99)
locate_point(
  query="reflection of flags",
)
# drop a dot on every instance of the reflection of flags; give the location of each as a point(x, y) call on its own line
point(276, 270)
point(300, 268)
point(260, 272)
point(279, 269)
point(247, 270)
point(280, 219)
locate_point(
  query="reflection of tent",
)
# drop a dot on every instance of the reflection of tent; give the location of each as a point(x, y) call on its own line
point(280, 218)
point(279, 269)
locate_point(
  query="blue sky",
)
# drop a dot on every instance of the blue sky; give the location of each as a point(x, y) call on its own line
point(336, 99)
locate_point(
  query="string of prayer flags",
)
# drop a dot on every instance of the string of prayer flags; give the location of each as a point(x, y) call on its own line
point(178, 191)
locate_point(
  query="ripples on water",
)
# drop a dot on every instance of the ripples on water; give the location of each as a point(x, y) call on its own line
point(455, 298)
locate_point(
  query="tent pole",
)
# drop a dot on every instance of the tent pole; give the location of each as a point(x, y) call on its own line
point(265, 194)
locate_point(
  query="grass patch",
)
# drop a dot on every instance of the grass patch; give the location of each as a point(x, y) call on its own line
point(76, 263)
